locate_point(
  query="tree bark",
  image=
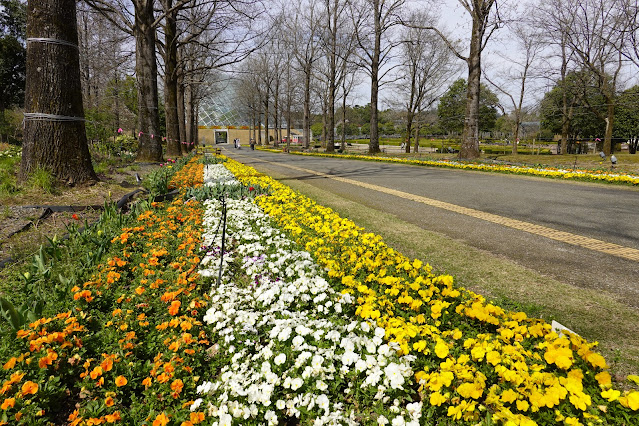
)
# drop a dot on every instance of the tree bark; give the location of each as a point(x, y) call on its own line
point(191, 111)
point(410, 111)
point(373, 145)
point(181, 112)
point(276, 107)
point(173, 141)
point(149, 143)
point(565, 124)
point(343, 144)
point(266, 113)
point(307, 105)
point(470, 138)
point(417, 126)
point(53, 87)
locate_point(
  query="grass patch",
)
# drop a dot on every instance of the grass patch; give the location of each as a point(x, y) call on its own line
point(8, 184)
point(42, 179)
point(101, 167)
point(591, 313)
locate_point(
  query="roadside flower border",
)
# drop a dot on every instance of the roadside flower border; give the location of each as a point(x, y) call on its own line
point(569, 174)
point(287, 345)
point(473, 358)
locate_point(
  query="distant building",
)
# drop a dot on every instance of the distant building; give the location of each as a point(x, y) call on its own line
point(221, 120)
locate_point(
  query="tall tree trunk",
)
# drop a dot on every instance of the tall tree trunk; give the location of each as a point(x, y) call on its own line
point(324, 129)
point(149, 145)
point(417, 126)
point(332, 79)
point(307, 106)
point(343, 145)
point(266, 113)
point(516, 133)
point(409, 129)
point(181, 96)
point(276, 106)
point(84, 45)
point(565, 119)
point(373, 145)
point(173, 142)
point(191, 119)
point(195, 121)
point(57, 141)
point(116, 91)
point(259, 111)
point(470, 137)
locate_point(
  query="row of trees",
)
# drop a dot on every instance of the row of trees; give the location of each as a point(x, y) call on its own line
point(84, 59)
point(318, 48)
point(313, 53)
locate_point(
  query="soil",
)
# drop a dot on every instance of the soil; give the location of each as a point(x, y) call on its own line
point(30, 216)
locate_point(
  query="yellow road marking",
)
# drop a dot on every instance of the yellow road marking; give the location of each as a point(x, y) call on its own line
point(553, 234)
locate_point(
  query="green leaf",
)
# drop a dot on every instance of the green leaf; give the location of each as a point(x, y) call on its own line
point(11, 314)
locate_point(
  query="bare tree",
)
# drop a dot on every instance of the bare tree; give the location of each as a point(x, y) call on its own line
point(54, 134)
point(554, 28)
point(373, 22)
point(484, 24)
point(336, 43)
point(104, 68)
point(350, 77)
point(200, 37)
point(427, 66)
point(304, 40)
point(517, 75)
point(630, 10)
point(142, 24)
point(598, 35)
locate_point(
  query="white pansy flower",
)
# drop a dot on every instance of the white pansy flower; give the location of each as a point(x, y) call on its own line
point(349, 357)
point(196, 404)
point(414, 409)
point(322, 402)
point(320, 385)
point(280, 359)
point(393, 373)
point(296, 383)
point(225, 419)
point(298, 341)
point(399, 421)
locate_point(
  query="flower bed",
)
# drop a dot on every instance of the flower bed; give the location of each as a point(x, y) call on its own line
point(289, 347)
point(473, 360)
point(128, 346)
point(313, 321)
point(583, 175)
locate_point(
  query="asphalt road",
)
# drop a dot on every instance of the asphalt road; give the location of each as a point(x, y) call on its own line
point(606, 213)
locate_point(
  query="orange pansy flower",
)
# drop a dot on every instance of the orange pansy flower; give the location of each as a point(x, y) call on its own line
point(175, 307)
point(10, 364)
point(120, 381)
point(112, 418)
point(161, 420)
point(177, 385)
point(8, 403)
point(97, 372)
point(30, 388)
